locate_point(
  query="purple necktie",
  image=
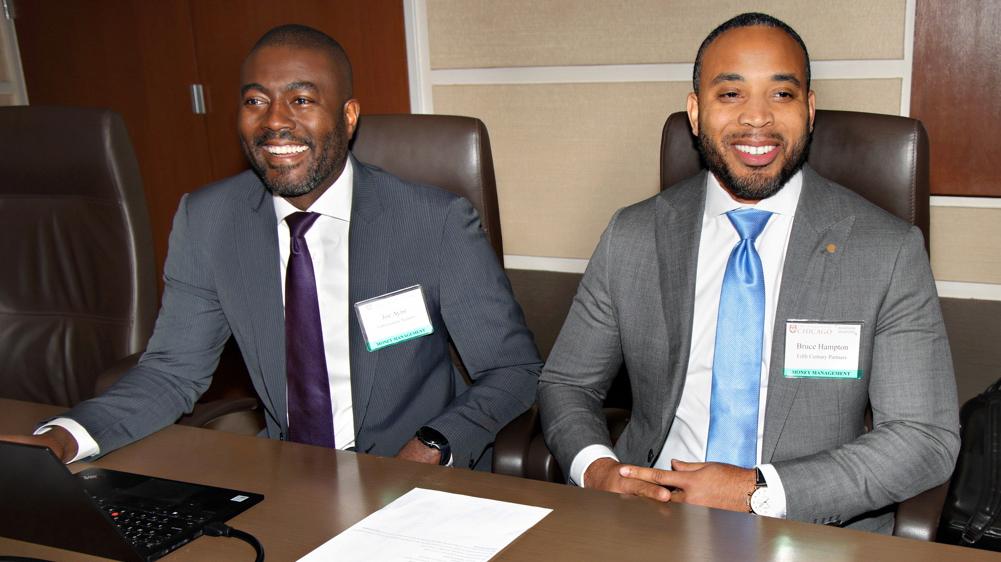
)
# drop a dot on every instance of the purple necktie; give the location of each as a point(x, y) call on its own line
point(310, 419)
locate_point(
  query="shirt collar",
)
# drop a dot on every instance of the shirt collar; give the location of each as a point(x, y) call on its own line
point(335, 202)
point(719, 202)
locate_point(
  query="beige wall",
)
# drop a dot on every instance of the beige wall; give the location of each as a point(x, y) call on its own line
point(486, 33)
point(569, 154)
point(569, 151)
point(964, 244)
point(11, 81)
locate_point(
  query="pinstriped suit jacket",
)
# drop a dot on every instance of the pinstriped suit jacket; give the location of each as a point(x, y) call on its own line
point(635, 306)
point(222, 277)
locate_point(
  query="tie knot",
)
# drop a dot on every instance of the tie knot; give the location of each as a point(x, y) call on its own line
point(748, 222)
point(299, 223)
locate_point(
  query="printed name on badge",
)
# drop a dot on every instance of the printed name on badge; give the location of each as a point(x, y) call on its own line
point(822, 350)
point(393, 318)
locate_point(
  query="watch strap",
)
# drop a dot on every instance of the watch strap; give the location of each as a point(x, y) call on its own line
point(759, 482)
point(433, 438)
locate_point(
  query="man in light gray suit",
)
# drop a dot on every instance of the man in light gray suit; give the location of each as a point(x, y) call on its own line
point(757, 402)
point(385, 383)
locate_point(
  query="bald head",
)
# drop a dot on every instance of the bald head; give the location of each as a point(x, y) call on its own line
point(299, 36)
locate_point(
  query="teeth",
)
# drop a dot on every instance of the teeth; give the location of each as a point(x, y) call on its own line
point(755, 150)
point(286, 149)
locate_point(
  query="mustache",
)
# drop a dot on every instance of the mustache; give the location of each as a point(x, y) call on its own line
point(754, 137)
point(262, 139)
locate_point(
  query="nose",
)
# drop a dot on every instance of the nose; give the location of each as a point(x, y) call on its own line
point(279, 117)
point(756, 113)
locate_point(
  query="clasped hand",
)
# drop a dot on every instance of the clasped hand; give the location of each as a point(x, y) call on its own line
point(710, 484)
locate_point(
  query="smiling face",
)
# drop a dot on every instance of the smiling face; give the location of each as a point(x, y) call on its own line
point(295, 120)
point(753, 114)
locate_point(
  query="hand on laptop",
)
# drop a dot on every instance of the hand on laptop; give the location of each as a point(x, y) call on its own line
point(57, 439)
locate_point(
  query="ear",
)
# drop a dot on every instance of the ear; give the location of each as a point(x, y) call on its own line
point(352, 109)
point(811, 102)
point(693, 113)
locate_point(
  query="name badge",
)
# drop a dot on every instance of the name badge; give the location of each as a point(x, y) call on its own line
point(393, 318)
point(822, 350)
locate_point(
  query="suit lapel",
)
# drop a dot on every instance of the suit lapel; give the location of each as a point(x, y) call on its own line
point(368, 265)
point(679, 225)
point(819, 232)
point(257, 252)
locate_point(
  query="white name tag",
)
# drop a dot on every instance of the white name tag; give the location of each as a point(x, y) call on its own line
point(822, 350)
point(394, 317)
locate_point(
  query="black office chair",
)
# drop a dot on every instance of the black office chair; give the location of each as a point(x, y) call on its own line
point(445, 151)
point(884, 158)
point(78, 291)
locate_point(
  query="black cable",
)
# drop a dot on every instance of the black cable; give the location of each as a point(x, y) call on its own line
point(219, 529)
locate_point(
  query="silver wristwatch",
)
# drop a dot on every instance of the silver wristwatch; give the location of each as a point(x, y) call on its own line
point(759, 500)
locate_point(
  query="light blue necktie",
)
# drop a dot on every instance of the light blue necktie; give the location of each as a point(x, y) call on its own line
point(733, 407)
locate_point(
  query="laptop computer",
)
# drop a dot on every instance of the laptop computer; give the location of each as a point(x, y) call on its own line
point(105, 512)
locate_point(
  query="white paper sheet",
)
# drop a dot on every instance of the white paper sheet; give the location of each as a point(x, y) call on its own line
point(428, 525)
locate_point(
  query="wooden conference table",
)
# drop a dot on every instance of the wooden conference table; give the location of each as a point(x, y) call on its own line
point(311, 494)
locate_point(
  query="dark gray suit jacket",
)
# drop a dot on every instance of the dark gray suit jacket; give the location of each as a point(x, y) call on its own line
point(635, 305)
point(222, 277)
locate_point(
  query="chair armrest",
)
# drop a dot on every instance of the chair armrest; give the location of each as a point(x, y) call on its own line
point(228, 408)
point(235, 415)
point(540, 464)
point(918, 517)
point(520, 448)
point(511, 447)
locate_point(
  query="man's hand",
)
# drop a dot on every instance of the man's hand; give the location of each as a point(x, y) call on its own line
point(608, 474)
point(711, 484)
point(417, 451)
point(57, 439)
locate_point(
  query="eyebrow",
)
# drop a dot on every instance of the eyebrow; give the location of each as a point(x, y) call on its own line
point(299, 85)
point(727, 77)
point(251, 86)
point(791, 78)
point(734, 77)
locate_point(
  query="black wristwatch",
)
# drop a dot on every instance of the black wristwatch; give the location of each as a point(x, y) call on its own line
point(434, 439)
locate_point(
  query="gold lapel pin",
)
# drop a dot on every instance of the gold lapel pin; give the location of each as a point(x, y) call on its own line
point(831, 248)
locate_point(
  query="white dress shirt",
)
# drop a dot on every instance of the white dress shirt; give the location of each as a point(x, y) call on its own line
point(327, 240)
point(328, 247)
point(686, 441)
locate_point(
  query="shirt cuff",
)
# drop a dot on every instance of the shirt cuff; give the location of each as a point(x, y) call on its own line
point(85, 445)
point(776, 493)
point(583, 460)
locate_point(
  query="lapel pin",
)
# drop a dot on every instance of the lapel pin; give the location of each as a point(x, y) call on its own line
point(831, 248)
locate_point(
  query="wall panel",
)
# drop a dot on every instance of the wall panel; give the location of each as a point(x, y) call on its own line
point(482, 33)
point(964, 244)
point(568, 155)
point(957, 74)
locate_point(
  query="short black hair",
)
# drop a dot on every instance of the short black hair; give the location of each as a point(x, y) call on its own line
point(749, 19)
point(305, 37)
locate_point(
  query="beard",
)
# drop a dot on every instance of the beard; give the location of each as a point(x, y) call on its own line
point(329, 159)
point(754, 186)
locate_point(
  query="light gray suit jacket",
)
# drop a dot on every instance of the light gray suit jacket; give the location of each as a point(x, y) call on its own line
point(222, 277)
point(635, 305)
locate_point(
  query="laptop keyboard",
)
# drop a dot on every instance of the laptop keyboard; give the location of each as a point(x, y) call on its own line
point(150, 526)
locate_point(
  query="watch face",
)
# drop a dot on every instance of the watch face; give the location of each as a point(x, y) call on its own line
point(760, 501)
point(431, 437)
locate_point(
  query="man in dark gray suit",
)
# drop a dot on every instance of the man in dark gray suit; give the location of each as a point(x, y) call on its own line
point(397, 270)
point(758, 310)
